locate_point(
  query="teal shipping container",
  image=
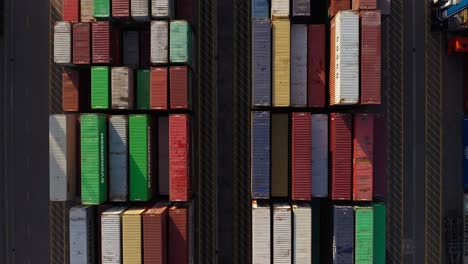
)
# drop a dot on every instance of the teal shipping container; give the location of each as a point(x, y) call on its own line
point(180, 44)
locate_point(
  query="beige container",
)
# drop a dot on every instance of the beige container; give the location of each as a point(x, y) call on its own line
point(281, 62)
point(132, 236)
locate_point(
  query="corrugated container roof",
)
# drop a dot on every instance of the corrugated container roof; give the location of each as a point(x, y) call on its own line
point(364, 235)
point(282, 233)
point(260, 155)
point(121, 9)
point(280, 8)
point(140, 10)
point(337, 5)
point(131, 49)
point(261, 62)
point(180, 42)
point(301, 153)
point(157, 209)
point(341, 156)
point(380, 157)
point(261, 233)
point(159, 41)
point(343, 234)
point(299, 65)
point(363, 160)
point(86, 10)
point(155, 229)
point(370, 57)
point(279, 155)
point(302, 233)
point(111, 234)
point(316, 65)
point(82, 237)
point(122, 88)
point(301, 8)
point(159, 87)
point(81, 43)
point(102, 8)
point(100, 87)
point(62, 42)
point(364, 4)
point(162, 8)
point(132, 235)
point(70, 10)
point(380, 233)
point(181, 234)
point(180, 87)
point(163, 155)
point(260, 9)
point(143, 89)
point(101, 42)
point(118, 158)
point(179, 157)
point(70, 90)
point(281, 62)
point(319, 157)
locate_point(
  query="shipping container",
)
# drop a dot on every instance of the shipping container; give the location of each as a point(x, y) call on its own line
point(83, 237)
point(145, 49)
point(70, 10)
point(155, 239)
point(180, 42)
point(364, 235)
point(299, 65)
point(302, 233)
point(181, 240)
point(370, 57)
point(343, 235)
point(184, 10)
point(260, 9)
point(86, 10)
point(364, 4)
point(159, 41)
point(380, 234)
point(143, 89)
point(316, 65)
point(159, 84)
point(102, 9)
point(319, 155)
point(261, 62)
point(100, 209)
point(344, 58)
point(63, 42)
point(70, 90)
point(162, 9)
point(132, 236)
point(282, 233)
point(363, 156)
point(337, 5)
point(122, 88)
point(118, 158)
point(465, 153)
point(180, 87)
point(179, 158)
point(163, 155)
point(260, 155)
point(261, 233)
point(279, 155)
point(93, 158)
point(81, 43)
point(62, 157)
point(281, 62)
point(141, 157)
point(300, 8)
point(379, 185)
point(111, 235)
point(384, 6)
point(300, 156)
point(100, 87)
point(140, 10)
point(341, 156)
point(280, 8)
point(121, 9)
point(131, 49)
point(105, 43)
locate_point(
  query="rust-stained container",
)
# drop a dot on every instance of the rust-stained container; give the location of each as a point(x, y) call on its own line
point(380, 157)
point(179, 158)
point(279, 9)
point(279, 155)
point(341, 155)
point(121, 9)
point(179, 87)
point(155, 234)
point(337, 5)
point(132, 236)
point(82, 43)
point(159, 41)
point(70, 10)
point(301, 151)
point(184, 10)
point(363, 156)
point(105, 43)
point(316, 61)
point(122, 88)
point(86, 10)
point(158, 94)
point(181, 234)
point(70, 90)
point(145, 49)
point(370, 56)
point(364, 4)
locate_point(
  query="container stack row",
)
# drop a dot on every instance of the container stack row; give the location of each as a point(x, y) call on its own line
point(121, 151)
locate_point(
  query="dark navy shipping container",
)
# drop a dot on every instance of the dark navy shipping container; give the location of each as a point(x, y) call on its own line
point(301, 8)
point(261, 62)
point(465, 153)
point(260, 155)
point(343, 234)
point(299, 65)
point(260, 9)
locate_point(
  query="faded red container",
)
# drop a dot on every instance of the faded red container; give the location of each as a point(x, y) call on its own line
point(71, 10)
point(337, 5)
point(145, 44)
point(380, 157)
point(81, 43)
point(364, 4)
point(180, 228)
point(363, 156)
point(184, 10)
point(158, 93)
point(179, 87)
point(301, 156)
point(105, 43)
point(370, 57)
point(341, 155)
point(155, 237)
point(121, 9)
point(70, 91)
point(316, 65)
point(179, 158)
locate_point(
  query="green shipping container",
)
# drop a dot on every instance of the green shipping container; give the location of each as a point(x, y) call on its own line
point(101, 8)
point(140, 158)
point(364, 229)
point(279, 155)
point(180, 46)
point(93, 158)
point(143, 89)
point(380, 231)
point(100, 87)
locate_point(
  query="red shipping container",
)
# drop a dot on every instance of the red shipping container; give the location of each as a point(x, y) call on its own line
point(158, 94)
point(70, 91)
point(81, 43)
point(184, 10)
point(179, 87)
point(380, 157)
point(301, 156)
point(180, 234)
point(71, 10)
point(337, 5)
point(145, 44)
point(363, 156)
point(341, 155)
point(364, 4)
point(316, 65)
point(121, 9)
point(179, 158)
point(155, 234)
point(106, 43)
point(370, 57)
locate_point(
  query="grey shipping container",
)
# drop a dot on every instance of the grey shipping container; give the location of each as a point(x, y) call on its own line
point(140, 10)
point(111, 235)
point(343, 235)
point(301, 8)
point(163, 155)
point(122, 88)
point(302, 233)
point(384, 6)
point(63, 42)
point(118, 158)
point(82, 235)
point(319, 155)
point(261, 236)
point(282, 233)
point(162, 9)
point(131, 49)
point(299, 65)
point(159, 41)
point(261, 62)
point(62, 157)
point(260, 155)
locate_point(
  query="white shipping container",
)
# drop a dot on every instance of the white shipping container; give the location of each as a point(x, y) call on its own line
point(299, 65)
point(140, 10)
point(280, 8)
point(118, 158)
point(159, 41)
point(162, 8)
point(465, 229)
point(302, 233)
point(111, 236)
point(131, 49)
point(86, 10)
point(261, 239)
point(319, 157)
point(62, 42)
point(62, 157)
point(282, 224)
point(122, 87)
point(82, 235)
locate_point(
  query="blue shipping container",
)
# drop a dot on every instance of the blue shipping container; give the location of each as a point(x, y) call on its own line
point(343, 234)
point(465, 153)
point(261, 62)
point(260, 155)
point(260, 9)
point(319, 155)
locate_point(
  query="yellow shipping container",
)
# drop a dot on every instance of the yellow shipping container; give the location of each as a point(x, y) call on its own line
point(281, 62)
point(131, 236)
